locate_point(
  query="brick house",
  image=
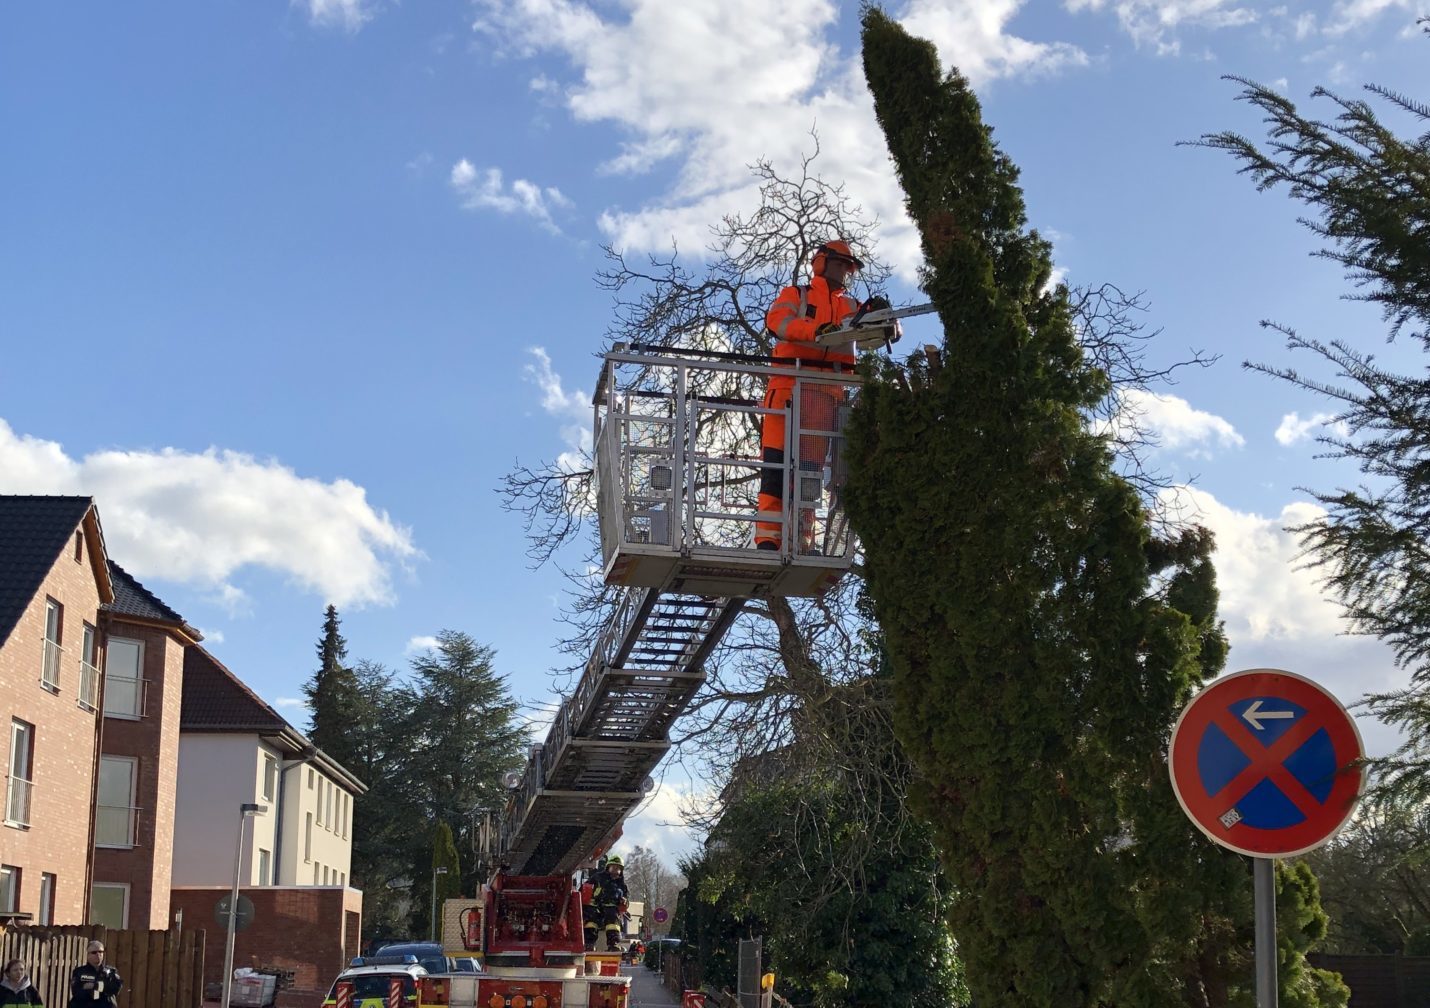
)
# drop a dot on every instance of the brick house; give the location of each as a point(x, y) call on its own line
point(145, 642)
point(54, 581)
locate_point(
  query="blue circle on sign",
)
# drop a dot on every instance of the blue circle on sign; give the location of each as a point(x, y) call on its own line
point(1266, 806)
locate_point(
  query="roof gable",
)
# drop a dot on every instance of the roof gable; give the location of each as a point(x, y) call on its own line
point(34, 531)
point(215, 699)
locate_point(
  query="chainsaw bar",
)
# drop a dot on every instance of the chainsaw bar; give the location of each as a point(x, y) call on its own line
point(860, 325)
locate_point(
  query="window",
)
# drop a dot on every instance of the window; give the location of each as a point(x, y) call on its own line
point(47, 899)
point(19, 784)
point(342, 878)
point(265, 867)
point(54, 626)
point(9, 889)
point(332, 804)
point(88, 670)
point(123, 679)
point(315, 874)
point(109, 904)
point(270, 776)
point(343, 798)
point(308, 839)
point(78, 546)
point(116, 818)
point(310, 778)
point(325, 874)
point(321, 785)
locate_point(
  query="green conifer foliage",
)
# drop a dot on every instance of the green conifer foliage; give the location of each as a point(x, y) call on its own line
point(1041, 637)
point(333, 695)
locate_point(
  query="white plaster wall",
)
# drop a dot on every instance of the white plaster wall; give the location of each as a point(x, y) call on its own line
point(217, 774)
point(331, 844)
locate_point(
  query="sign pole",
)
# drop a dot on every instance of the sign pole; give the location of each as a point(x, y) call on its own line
point(1265, 894)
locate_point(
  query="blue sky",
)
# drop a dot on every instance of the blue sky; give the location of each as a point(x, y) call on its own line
point(288, 287)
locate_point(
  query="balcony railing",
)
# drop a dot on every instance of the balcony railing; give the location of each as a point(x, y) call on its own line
point(17, 800)
point(50, 670)
point(116, 826)
point(124, 696)
point(88, 686)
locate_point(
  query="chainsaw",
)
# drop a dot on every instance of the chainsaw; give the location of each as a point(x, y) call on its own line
point(871, 329)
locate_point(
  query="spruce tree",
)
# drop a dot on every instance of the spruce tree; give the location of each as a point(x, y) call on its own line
point(334, 698)
point(1041, 637)
point(1368, 201)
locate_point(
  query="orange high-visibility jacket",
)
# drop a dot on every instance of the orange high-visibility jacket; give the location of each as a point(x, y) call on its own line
point(799, 311)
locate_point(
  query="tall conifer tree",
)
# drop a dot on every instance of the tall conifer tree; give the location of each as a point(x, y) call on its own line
point(334, 697)
point(1041, 638)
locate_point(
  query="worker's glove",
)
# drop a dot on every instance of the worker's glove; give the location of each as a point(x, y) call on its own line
point(876, 303)
point(828, 327)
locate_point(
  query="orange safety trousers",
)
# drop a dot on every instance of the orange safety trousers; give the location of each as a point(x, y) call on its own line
point(817, 409)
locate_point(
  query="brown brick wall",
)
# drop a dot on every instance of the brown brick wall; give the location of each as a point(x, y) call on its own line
point(58, 840)
point(154, 740)
point(300, 928)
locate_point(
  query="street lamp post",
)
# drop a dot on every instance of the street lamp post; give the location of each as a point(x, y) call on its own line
point(435, 872)
point(244, 811)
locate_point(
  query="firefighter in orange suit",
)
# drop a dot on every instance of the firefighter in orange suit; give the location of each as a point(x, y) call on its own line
point(798, 315)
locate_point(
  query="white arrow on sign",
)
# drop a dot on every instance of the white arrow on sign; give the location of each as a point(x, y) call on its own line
point(1254, 715)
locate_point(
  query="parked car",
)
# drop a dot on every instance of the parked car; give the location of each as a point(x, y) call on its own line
point(371, 977)
point(432, 957)
point(657, 949)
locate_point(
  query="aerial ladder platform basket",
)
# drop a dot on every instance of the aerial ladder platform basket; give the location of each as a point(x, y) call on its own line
point(679, 468)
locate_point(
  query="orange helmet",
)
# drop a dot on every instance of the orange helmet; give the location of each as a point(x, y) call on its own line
point(839, 249)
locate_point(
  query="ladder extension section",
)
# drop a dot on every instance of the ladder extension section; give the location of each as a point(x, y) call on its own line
point(612, 731)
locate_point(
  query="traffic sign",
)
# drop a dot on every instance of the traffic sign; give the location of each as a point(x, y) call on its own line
point(241, 919)
point(660, 915)
point(1266, 763)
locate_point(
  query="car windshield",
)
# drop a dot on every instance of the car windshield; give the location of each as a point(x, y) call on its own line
point(430, 956)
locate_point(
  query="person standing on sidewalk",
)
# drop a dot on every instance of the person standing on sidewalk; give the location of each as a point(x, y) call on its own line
point(15, 986)
point(96, 984)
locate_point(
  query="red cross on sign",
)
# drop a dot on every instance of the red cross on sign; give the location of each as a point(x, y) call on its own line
point(1266, 763)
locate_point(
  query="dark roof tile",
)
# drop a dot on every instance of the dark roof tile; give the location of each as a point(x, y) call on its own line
point(33, 531)
point(217, 700)
point(132, 599)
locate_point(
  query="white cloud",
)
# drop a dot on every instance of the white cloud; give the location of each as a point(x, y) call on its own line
point(212, 636)
point(660, 824)
point(647, 67)
point(199, 518)
point(1155, 22)
point(1266, 592)
point(1293, 429)
point(349, 15)
point(415, 644)
point(485, 190)
point(573, 408)
point(973, 37)
point(1177, 425)
point(291, 703)
point(1277, 614)
point(1349, 15)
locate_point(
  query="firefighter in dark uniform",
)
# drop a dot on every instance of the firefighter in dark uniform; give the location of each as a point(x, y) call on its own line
point(608, 902)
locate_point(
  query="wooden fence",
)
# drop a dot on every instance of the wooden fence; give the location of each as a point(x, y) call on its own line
point(1380, 981)
point(161, 969)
